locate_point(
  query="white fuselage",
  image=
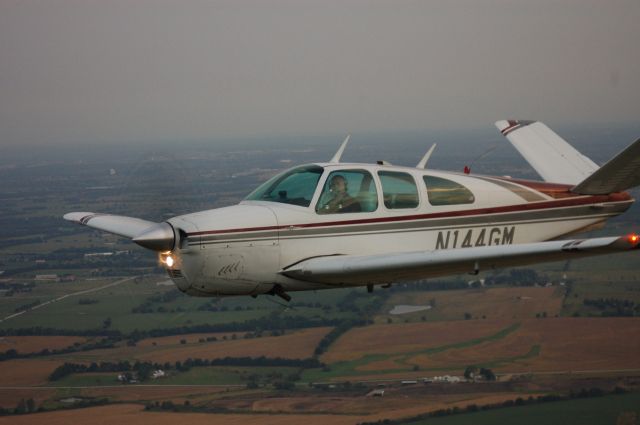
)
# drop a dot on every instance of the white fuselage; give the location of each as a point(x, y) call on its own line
point(242, 249)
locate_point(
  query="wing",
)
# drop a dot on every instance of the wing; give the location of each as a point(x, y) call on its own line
point(550, 155)
point(155, 236)
point(385, 268)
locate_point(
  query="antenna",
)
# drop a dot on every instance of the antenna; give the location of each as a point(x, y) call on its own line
point(425, 158)
point(338, 155)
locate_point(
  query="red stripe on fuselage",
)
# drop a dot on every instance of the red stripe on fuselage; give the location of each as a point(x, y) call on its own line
point(566, 202)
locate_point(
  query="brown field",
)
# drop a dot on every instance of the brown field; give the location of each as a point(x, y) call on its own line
point(492, 303)
point(295, 345)
point(355, 410)
point(10, 398)
point(396, 403)
point(136, 392)
point(408, 337)
point(423, 406)
point(26, 371)
point(132, 414)
point(33, 344)
point(565, 344)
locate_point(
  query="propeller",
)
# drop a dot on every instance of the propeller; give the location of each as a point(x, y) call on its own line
point(159, 237)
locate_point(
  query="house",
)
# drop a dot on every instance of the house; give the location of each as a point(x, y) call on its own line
point(158, 374)
point(47, 278)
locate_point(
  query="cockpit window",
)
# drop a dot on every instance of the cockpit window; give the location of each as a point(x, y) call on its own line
point(348, 191)
point(446, 192)
point(295, 187)
point(399, 190)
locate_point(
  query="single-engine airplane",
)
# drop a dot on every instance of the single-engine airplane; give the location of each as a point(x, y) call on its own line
point(333, 224)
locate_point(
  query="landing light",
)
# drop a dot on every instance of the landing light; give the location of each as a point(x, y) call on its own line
point(167, 258)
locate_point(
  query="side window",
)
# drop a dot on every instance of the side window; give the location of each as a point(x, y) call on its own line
point(399, 190)
point(348, 191)
point(446, 192)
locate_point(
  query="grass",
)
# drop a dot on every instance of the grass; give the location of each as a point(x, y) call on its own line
point(87, 380)
point(596, 411)
point(117, 303)
point(226, 375)
point(619, 289)
point(218, 375)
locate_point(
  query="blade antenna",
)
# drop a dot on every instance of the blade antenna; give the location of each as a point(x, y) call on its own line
point(338, 155)
point(425, 158)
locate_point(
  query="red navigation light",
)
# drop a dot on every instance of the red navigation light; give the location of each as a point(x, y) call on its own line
point(634, 239)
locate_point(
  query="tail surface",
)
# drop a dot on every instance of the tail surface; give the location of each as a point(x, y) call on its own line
point(551, 156)
point(620, 173)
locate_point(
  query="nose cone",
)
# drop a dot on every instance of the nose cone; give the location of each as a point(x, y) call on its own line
point(159, 237)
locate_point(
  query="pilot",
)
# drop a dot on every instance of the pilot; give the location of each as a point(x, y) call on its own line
point(340, 201)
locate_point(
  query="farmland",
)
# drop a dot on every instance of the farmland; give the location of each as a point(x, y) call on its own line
point(611, 409)
point(556, 329)
point(294, 345)
point(532, 353)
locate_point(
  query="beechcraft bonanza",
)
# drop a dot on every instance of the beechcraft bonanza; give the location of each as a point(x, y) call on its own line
point(333, 224)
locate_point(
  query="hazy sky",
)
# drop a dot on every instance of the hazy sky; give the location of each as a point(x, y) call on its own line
point(129, 70)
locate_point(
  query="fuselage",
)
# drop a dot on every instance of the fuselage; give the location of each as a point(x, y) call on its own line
point(243, 249)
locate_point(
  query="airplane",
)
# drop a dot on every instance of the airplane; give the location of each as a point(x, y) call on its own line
point(332, 224)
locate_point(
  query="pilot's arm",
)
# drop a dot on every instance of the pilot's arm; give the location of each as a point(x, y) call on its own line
point(340, 203)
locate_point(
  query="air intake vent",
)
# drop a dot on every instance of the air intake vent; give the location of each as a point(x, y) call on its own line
point(174, 274)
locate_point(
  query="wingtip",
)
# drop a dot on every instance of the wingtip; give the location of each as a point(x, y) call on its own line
point(507, 126)
point(76, 217)
point(501, 124)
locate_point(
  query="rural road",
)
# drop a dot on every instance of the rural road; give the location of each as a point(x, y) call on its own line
point(73, 294)
point(373, 381)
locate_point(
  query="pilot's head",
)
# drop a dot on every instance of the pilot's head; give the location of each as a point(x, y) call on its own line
point(338, 184)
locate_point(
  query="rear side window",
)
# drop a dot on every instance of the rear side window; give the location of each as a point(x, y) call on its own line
point(446, 192)
point(399, 190)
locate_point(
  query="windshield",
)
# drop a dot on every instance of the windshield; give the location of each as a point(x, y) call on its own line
point(294, 187)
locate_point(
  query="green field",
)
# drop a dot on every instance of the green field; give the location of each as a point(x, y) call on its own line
point(216, 375)
point(621, 289)
point(227, 375)
point(592, 411)
point(117, 303)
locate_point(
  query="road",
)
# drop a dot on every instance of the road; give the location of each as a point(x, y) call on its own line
point(73, 294)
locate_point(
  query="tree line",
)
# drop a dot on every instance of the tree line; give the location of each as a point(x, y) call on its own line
point(274, 321)
point(14, 354)
point(144, 369)
point(613, 306)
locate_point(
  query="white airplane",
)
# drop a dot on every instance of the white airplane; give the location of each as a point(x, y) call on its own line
point(333, 224)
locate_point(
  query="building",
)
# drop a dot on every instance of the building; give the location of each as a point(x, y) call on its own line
point(47, 278)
